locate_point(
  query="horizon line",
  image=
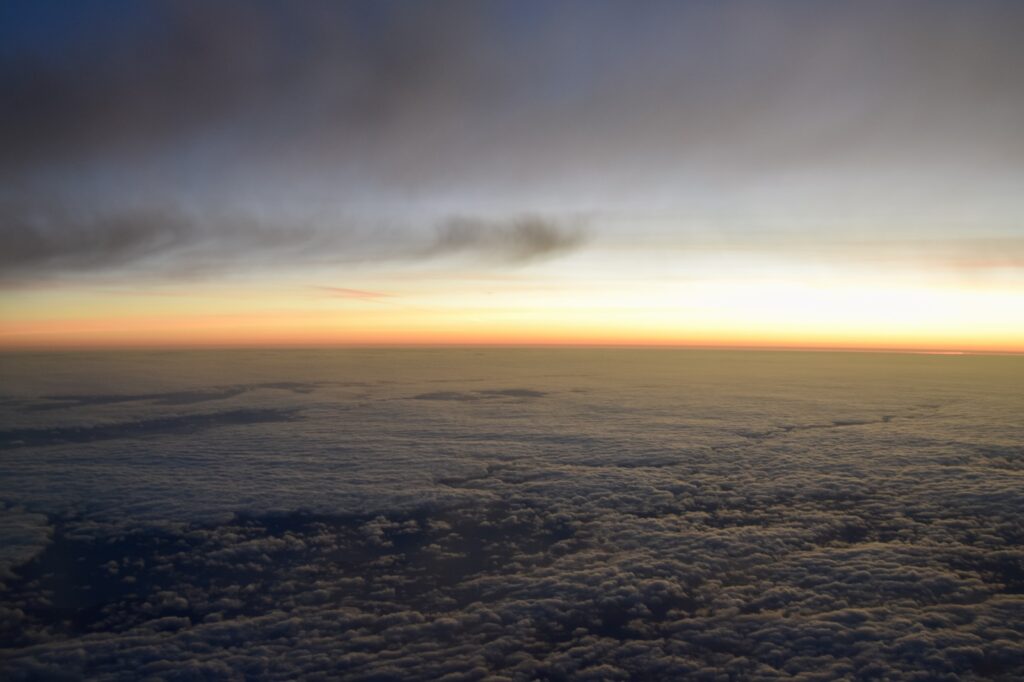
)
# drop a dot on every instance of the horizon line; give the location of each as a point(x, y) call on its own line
point(194, 347)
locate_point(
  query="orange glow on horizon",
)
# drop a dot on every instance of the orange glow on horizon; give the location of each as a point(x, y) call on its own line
point(312, 330)
point(579, 311)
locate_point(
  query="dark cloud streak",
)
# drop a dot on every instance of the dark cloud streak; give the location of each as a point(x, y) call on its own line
point(516, 240)
point(40, 242)
point(181, 424)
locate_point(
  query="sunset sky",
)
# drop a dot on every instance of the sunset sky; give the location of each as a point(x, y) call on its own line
point(792, 174)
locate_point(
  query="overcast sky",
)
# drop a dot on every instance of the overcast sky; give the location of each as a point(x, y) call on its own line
point(198, 140)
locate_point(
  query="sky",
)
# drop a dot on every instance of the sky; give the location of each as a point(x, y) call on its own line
point(797, 174)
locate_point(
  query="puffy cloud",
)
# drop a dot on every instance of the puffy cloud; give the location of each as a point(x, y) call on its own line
point(626, 525)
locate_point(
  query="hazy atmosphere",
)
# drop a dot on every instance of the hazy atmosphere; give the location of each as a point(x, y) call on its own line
point(512, 341)
point(840, 174)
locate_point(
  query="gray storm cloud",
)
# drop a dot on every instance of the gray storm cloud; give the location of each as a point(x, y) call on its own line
point(419, 113)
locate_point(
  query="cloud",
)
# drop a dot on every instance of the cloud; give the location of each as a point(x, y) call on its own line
point(304, 133)
point(240, 62)
point(467, 396)
point(57, 402)
point(515, 393)
point(390, 76)
point(34, 437)
point(40, 241)
point(358, 294)
point(518, 240)
point(631, 532)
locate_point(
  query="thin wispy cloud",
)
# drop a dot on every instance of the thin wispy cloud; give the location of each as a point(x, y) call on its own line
point(357, 294)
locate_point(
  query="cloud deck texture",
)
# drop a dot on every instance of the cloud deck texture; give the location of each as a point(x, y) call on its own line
point(566, 515)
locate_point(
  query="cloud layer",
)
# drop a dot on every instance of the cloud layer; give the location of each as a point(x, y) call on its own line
point(610, 515)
